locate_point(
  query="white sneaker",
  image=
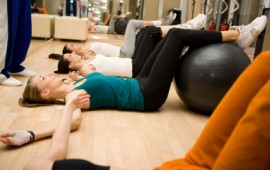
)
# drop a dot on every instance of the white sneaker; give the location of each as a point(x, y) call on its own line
point(170, 14)
point(173, 18)
point(25, 72)
point(198, 22)
point(250, 32)
point(2, 78)
point(183, 26)
point(11, 81)
point(168, 20)
point(164, 21)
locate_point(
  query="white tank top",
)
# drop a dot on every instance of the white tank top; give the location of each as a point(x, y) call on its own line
point(106, 49)
point(112, 66)
point(102, 29)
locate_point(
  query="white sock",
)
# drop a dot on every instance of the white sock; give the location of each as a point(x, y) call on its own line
point(157, 23)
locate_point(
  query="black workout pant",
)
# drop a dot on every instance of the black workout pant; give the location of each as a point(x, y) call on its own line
point(77, 164)
point(158, 72)
point(146, 41)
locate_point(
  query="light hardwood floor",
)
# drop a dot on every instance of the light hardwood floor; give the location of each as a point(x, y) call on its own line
point(129, 140)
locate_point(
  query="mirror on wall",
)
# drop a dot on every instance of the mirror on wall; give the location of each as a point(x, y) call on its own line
point(100, 9)
point(231, 12)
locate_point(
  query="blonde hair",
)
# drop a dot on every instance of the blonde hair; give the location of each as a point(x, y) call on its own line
point(32, 97)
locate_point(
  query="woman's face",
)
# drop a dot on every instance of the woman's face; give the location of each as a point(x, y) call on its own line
point(72, 58)
point(48, 81)
point(74, 47)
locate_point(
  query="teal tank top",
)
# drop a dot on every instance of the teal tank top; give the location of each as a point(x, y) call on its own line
point(112, 92)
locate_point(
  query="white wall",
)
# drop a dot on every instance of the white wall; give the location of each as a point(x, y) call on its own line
point(52, 6)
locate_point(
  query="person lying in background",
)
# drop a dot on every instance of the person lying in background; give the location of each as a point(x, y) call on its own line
point(147, 40)
point(110, 28)
point(94, 60)
point(128, 47)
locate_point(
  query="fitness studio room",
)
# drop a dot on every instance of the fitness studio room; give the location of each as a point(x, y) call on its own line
point(134, 84)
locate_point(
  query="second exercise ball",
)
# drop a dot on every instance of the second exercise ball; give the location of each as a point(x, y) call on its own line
point(120, 25)
point(205, 74)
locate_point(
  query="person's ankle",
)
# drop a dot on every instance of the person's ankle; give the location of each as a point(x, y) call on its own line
point(235, 35)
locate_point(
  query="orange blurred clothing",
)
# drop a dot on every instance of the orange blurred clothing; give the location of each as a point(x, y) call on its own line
point(106, 22)
point(42, 10)
point(237, 135)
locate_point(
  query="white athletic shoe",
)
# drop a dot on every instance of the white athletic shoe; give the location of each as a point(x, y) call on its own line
point(168, 20)
point(196, 23)
point(250, 32)
point(2, 78)
point(11, 81)
point(174, 17)
point(183, 26)
point(171, 14)
point(25, 73)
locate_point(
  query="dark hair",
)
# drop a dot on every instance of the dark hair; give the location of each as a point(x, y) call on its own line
point(54, 56)
point(119, 12)
point(63, 65)
point(66, 50)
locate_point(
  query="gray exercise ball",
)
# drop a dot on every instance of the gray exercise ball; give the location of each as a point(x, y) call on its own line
point(205, 74)
point(120, 26)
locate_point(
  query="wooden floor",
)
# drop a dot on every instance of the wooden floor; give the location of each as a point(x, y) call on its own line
point(129, 140)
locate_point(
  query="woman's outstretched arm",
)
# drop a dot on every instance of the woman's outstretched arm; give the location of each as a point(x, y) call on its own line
point(59, 144)
point(22, 137)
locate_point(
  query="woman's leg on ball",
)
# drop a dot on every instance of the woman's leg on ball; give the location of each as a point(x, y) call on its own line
point(146, 41)
point(160, 67)
point(231, 35)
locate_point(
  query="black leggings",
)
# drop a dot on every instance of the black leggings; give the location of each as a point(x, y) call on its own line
point(77, 164)
point(158, 72)
point(146, 41)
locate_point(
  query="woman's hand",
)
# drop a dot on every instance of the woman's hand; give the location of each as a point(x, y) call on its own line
point(78, 99)
point(17, 138)
point(74, 75)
